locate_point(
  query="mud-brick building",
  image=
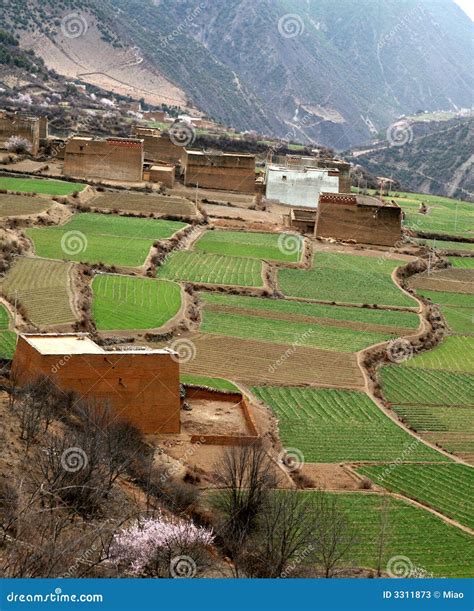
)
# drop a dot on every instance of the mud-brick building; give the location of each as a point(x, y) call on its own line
point(224, 171)
point(118, 159)
point(33, 129)
point(364, 219)
point(141, 385)
point(158, 147)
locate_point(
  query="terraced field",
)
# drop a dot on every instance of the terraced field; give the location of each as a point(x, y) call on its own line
point(445, 245)
point(38, 185)
point(22, 205)
point(127, 201)
point(453, 354)
point(452, 280)
point(269, 246)
point(445, 216)
point(461, 300)
point(7, 337)
point(430, 545)
point(405, 385)
point(214, 383)
point(462, 262)
point(43, 287)
point(96, 238)
point(212, 269)
point(126, 302)
point(254, 362)
point(330, 425)
point(346, 279)
point(447, 488)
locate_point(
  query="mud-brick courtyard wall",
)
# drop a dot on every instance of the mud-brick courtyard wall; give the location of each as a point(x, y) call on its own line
point(227, 172)
point(143, 388)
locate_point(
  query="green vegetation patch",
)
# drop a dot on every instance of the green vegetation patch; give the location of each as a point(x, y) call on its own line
point(213, 383)
point(446, 245)
point(448, 489)
point(277, 247)
point(126, 302)
point(212, 269)
point(346, 279)
point(7, 337)
point(37, 185)
point(453, 354)
point(422, 386)
point(102, 238)
point(329, 425)
point(462, 300)
point(462, 262)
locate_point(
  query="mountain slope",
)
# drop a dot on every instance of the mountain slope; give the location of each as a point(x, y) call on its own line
point(313, 70)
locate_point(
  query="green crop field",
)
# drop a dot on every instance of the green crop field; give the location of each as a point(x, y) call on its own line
point(7, 337)
point(453, 354)
point(212, 269)
point(462, 300)
point(445, 245)
point(329, 425)
point(213, 383)
point(43, 287)
point(287, 332)
point(427, 387)
point(277, 247)
point(346, 279)
point(126, 302)
point(384, 318)
point(38, 185)
point(430, 545)
point(447, 488)
point(460, 320)
point(462, 262)
point(96, 238)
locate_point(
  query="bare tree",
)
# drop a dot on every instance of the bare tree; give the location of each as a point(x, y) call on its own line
point(333, 534)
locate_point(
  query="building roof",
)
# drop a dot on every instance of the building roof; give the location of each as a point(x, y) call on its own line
point(218, 154)
point(61, 344)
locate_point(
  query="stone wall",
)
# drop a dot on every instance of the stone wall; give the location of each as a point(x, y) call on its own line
point(227, 172)
point(18, 125)
point(112, 159)
point(346, 217)
point(142, 387)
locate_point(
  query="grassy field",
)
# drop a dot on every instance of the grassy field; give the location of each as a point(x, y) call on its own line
point(460, 320)
point(426, 387)
point(329, 425)
point(213, 383)
point(429, 544)
point(283, 331)
point(346, 279)
point(7, 338)
point(37, 185)
point(43, 288)
point(271, 246)
point(462, 262)
point(96, 238)
point(126, 302)
point(127, 201)
point(447, 488)
point(445, 245)
point(19, 205)
point(453, 354)
point(212, 269)
point(462, 300)
point(295, 309)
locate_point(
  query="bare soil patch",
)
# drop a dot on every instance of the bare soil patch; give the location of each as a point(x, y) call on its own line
point(329, 477)
point(213, 418)
point(449, 280)
point(22, 205)
point(142, 203)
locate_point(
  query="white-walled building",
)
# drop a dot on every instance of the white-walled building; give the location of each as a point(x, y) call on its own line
point(299, 186)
